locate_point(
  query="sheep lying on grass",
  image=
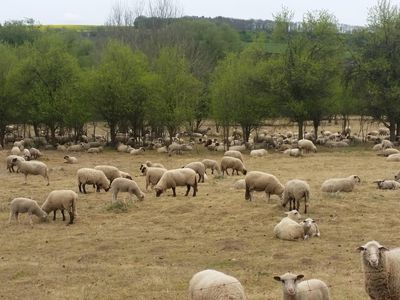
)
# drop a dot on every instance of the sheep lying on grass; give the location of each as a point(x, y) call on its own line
point(61, 200)
point(258, 152)
point(288, 229)
point(310, 228)
point(70, 159)
point(25, 205)
point(388, 184)
point(127, 186)
point(178, 177)
point(307, 146)
point(154, 165)
point(240, 184)
point(32, 168)
point(335, 185)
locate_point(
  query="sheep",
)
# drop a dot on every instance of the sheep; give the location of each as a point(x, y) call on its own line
point(25, 205)
point(234, 153)
point(10, 164)
point(238, 148)
point(310, 228)
point(381, 268)
point(295, 152)
point(387, 144)
point(75, 148)
point(312, 289)
point(240, 184)
point(393, 157)
point(20, 145)
point(178, 177)
point(388, 184)
point(62, 200)
point(397, 176)
point(35, 153)
point(61, 148)
point(198, 167)
point(388, 151)
point(295, 190)
point(92, 176)
point(26, 154)
point(335, 185)
point(288, 229)
point(70, 159)
point(125, 175)
point(15, 151)
point(162, 150)
point(214, 285)
point(307, 145)
point(32, 168)
point(122, 147)
point(259, 152)
point(95, 150)
point(235, 164)
point(154, 165)
point(262, 182)
point(137, 151)
point(153, 175)
point(125, 185)
point(211, 164)
point(111, 172)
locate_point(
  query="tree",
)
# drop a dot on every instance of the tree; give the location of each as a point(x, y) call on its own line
point(18, 32)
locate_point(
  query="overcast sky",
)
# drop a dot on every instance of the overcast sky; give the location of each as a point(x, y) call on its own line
point(352, 12)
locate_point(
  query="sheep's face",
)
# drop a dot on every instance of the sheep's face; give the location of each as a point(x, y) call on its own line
point(356, 179)
point(244, 171)
point(141, 197)
point(289, 282)
point(397, 177)
point(159, 191)
point(371, 253)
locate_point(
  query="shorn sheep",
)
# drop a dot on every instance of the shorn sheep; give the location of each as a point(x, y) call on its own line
point(215, 285)
point(25, 205)
point(211, 164)
point(178, 177)
point(92, 176)
point(381, 268)
point(335, 185)
point(288, 228)
point(70, 159)
point(312, 289)
point(296, 190)
point(233, 163)
point(126, 186)
point(61, 200)
point(32, 168)
point(153, 175)
point(262, 182)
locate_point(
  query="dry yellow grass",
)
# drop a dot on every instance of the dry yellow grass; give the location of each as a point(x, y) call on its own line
point(152, 250)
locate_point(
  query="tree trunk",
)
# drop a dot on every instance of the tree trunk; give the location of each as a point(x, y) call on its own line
point(36, 129)
point(246, 133)
point(300, 124)
point(2, 135)
point(398, 129)
point(316, 125)
point(113, 132)
point(53, 134)
point(392, 130)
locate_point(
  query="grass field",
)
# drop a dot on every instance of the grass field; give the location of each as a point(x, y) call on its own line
point(150, 249)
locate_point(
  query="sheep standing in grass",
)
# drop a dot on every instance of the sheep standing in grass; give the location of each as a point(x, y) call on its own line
point(310, 228)
point(288, 228)
point(70, 159)
point(262, 182)
point(32, 168)
point(25, 205)
point(214, 285)
point(26, 154)
point(381, 268)
point(335, 185)
point(61, 200)
point(312, 289)
point(307, 146)
point(127, 186)
point(11, 164)
point(233, 163)
point(153, 175)
point(178, 177)
point(235, 154)
point(296, 190)
point(112, 172)
point(211, 164)
point(199, 168)
point(15, 151)
point(35, 153)
point(92, 176)
point(388, 184)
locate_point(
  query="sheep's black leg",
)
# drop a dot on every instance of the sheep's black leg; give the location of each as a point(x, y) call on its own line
point(84, 188)
point(79, 186)
point(173, 191)
point(54, 216)
point(62, 211)
point(188, 189)
point(97, 188)
point(71, 217)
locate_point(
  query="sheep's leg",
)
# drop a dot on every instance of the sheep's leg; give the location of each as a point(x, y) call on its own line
point(199, 178)
point(188, 189)
point(194, 191)
point(269, 197)
point(30, 218)
point(62, 211)
point(79, 186)
point(16, 217)
point(97, 188)
point(48, 180)
point(71, 217)
point(173, 191)
point(202, 178)
point(84, 188)
point(237, 172)
point(12, 216)
point(26, 177)
point(54, 216)
point(114, 197)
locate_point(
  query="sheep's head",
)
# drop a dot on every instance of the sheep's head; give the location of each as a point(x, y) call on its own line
point(371, 253)
point(356, 179)
point(159, 191)
point(141, 197)
point(244, 171)
point(397, 177)
point(289, 281)
point(293, 214)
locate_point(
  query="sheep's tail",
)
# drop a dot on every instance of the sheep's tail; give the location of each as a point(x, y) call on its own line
point(247, 194)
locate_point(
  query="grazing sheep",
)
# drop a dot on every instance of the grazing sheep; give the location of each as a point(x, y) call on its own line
point(310, 228)
point(25, 205)
point(153, 175)
point(307, 145)
point(393, 157)
point(233, 163)
point(178, 177)
point(388, 184)
point(312, 289)
point(32, 168)
point(137, 151)
point(10, 164)
point(288, 229)
point(92, 176)
point(15, 151)
point(70, 159)
point(214, 285)
point(258, 152)
point(199, 168)
point(381, 268)
point(125, 175)
point(95, 150)
point(335, 185)
point(111, 172)
point(295, 190)
point(235, 154)
point(154, 165)
point(35, 153)
point(211, 164)
point(62, 200)
point(262, 182)
point(240, 184)
point(295, 152)
point(125, 185)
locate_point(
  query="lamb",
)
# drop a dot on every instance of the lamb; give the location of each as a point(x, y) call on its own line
point(35, 153)
point(10, 164)
point(240, 184)
point(295, 152)
point(393, 157)
point(288, 229)
point(125, 185)
point(154, 165)
point(95, 150)
point(262, 182)
point(62, 200)
point(307, 145)
point(153, 175)
point(258, 152)
point(215, 285)
point(233, 163)
point(162, 150)
point(234, 153)
point(295, 190)
point(92, 176)
point(198, 167)
point(177, 177)
point(111, 172)
point(310, 228)
point(25, 205)
point(20, 145)
point(381, 268)
point(388, 184)
point(32, 168)
point(137, 151)
point(312, 289)
point(26, 154)
point(70, 159)
point(335, 185)
point(211, 164)
point(15, 151)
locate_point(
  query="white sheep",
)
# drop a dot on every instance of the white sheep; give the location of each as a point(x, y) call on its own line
point(61, 200)
point(199, 168)
point(215, 285)
point(137, 151)
point(335, 185)
point(10, 164)
point(20, 145)
point(95, 150)
point(111, 172)
point(307, 145)
point(70, 159)
point(153, 175)
point(61, 148)
point(211, 164)
point(381, 268)
point(388, 184)
point(240, 184)
point(178, 177)
point(388, 151)
point(288, 228)
point(76, 148)
point(25, 205)
point(296, 190)
point(393, 157)
point(233, 163)
point(311, 228)
point(312, 289)
point(234, 153)
point(163, 149)
point(15, 151)
point(26, 154)
point(122, 147)
point(387, 144)
point(258, 152)
point(262, 182)
point(32, 168)
point(35, 153)
point(240, 148)
point(154, 165)
point(295, 152)
point(92, 176)
point(127, 186)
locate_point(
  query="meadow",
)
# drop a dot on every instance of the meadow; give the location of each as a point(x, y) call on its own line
point(151, 249)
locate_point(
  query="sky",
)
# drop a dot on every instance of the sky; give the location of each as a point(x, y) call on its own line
point(95, 12)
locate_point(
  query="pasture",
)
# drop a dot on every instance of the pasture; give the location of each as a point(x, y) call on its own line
point(150, 249)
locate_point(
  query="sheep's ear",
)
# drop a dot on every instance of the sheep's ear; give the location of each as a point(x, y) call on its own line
point(277, 278)
point(382, 249)
point(361, 248)
point(313, 221)
point(300, 276)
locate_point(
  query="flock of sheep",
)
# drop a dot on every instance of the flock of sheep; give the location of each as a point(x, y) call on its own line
point(381, 265)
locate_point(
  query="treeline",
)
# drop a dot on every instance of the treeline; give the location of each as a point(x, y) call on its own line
point(173, 75)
